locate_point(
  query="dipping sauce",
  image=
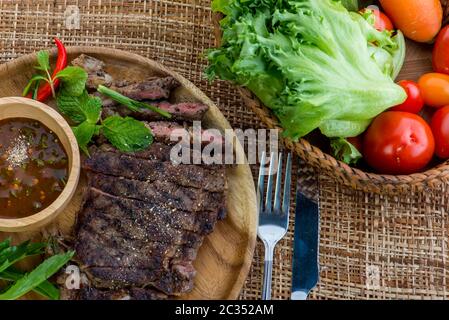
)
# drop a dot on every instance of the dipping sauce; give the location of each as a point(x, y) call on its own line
point(33, 167)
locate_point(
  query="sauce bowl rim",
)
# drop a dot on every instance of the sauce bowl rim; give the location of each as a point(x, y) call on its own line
point(56, 207)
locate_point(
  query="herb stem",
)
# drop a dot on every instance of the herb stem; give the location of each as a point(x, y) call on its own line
point(133, 105)
point(51, 83)
point(36, 89)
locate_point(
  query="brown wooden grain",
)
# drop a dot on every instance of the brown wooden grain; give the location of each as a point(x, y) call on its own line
point(225, 257)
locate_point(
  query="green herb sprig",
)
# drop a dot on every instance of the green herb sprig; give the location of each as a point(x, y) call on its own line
point(43, 61)
point(126, 134)
point(131, 104)
point(84, 110)
point(74, 77)
point(46, 288)
point(36, 280)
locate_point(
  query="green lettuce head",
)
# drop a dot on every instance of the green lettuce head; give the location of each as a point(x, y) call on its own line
point(312, 62)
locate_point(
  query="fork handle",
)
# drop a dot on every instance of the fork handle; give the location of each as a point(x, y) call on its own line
point(268, 272)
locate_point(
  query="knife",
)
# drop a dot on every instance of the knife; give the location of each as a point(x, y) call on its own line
point(305, 254)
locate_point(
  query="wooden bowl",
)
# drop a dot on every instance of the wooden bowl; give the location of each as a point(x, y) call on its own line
point(16, 107)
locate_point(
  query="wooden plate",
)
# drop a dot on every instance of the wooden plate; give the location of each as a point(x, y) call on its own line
point(225, 257)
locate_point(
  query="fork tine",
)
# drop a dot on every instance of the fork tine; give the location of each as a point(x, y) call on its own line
point(287, 183)
point(277, 192)
point(269, 194)
point(260, 184)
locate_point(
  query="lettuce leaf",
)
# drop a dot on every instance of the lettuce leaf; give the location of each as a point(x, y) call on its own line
point(345, 151)
point(312, 62)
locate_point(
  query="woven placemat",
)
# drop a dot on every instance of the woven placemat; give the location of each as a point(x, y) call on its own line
point(371, 246)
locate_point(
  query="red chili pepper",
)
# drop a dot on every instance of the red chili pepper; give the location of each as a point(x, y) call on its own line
point(45, 91)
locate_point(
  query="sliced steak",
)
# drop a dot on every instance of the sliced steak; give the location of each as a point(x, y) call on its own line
point(95, 71)
point(91, 293)
point(154, 222)
point(164, 130)
point(171, 212)
point(154, 88)
point(210, 178)
point(179, 281)
point(156, 151)
point(144, 218)
point(119, 245)
point(174, 196)
point(143, 233)
point(187, 111)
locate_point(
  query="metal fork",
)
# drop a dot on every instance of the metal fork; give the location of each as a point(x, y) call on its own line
point(273, 217)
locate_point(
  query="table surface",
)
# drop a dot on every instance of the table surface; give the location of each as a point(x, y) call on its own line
point(371, 246)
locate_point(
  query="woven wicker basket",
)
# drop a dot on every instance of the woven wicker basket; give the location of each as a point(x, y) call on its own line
point(356, 178)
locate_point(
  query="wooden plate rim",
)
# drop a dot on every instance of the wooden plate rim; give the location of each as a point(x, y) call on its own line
point(198, 94)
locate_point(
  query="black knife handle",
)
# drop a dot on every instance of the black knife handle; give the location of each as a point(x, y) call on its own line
point(305, 257)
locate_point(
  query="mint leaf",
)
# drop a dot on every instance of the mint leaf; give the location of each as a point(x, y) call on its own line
point(127, 134)
point(81, 108)
point(43, 59)
point(84, 133)
point(92, 109)
point(73, 80)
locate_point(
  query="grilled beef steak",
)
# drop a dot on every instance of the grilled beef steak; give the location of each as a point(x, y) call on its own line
point(144, 218)
point(163, 130)
point(95, 71)
point(154, 88)
point(180, 111)
point(140, 229)
point(210, 178)
point(174, 195)
point(122, 245)
point(91, 293)
point(151, 89)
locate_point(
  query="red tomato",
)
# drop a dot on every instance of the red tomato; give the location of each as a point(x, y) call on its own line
point(414, 102)
point(440, 129)
point(441, 52)
point(398, 143)
point(381, 22)
point(435, 89)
